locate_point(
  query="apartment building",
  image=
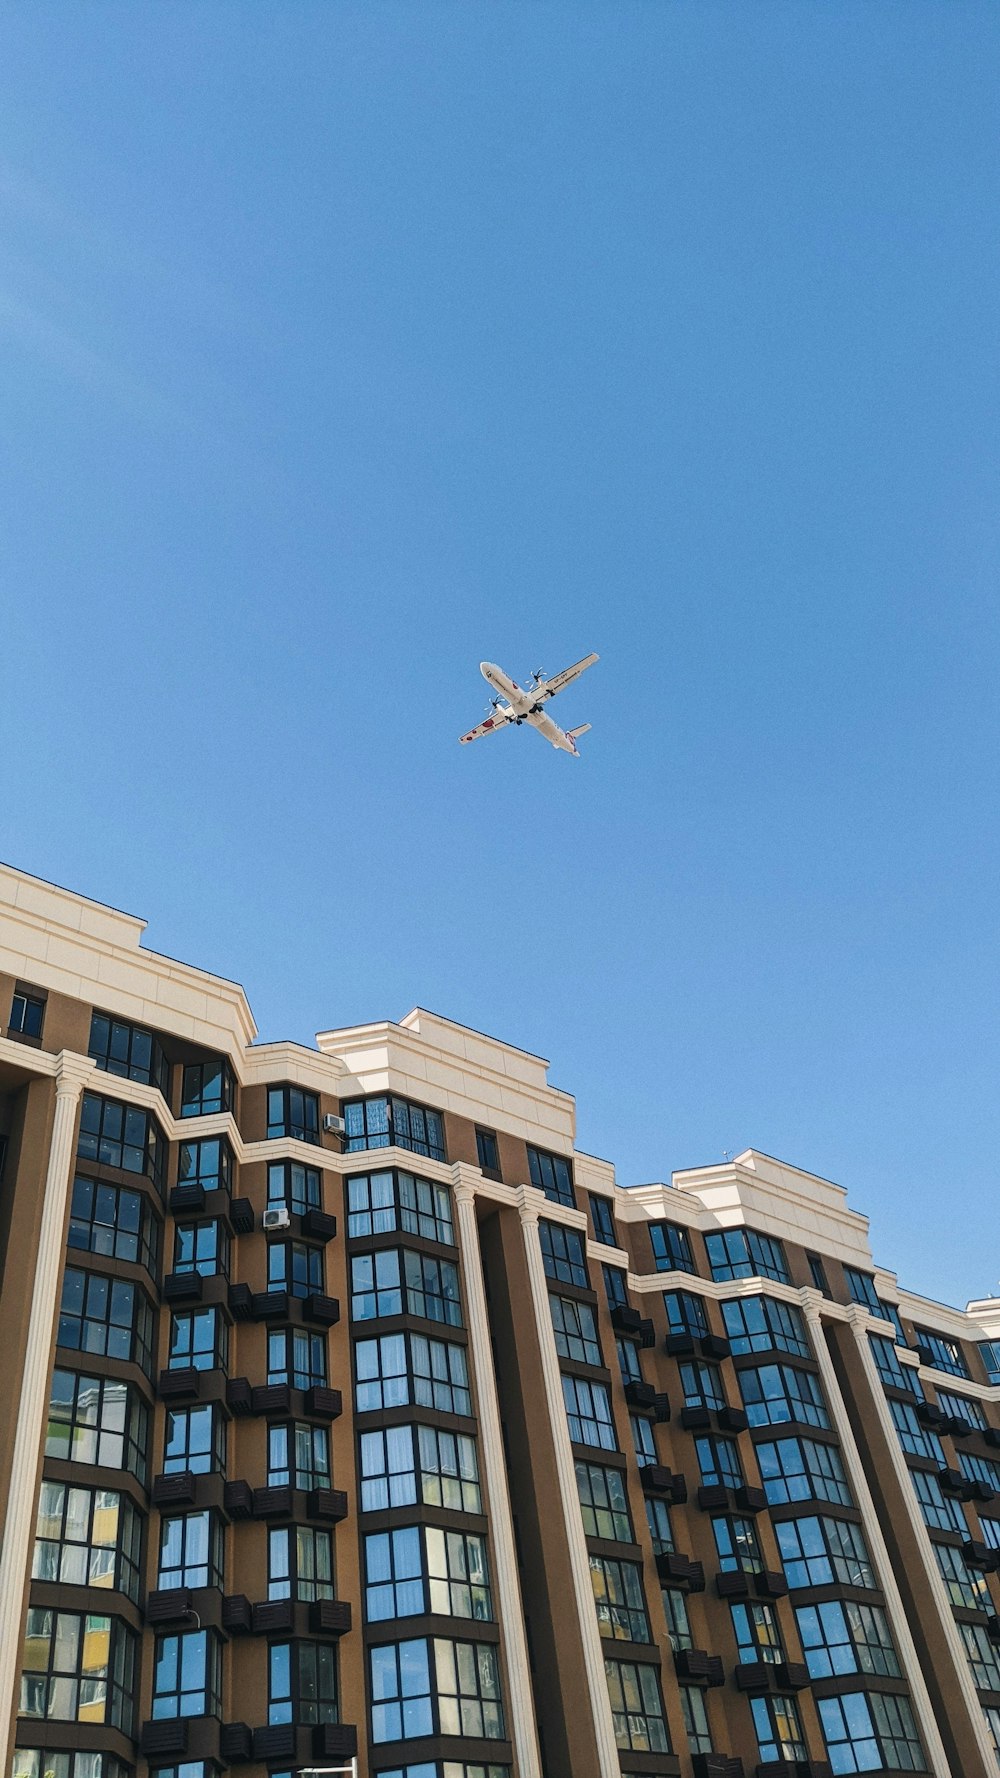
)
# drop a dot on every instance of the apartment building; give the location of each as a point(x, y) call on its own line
point(350, 1415)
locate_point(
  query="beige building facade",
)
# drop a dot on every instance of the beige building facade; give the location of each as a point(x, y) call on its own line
point(350, 1415)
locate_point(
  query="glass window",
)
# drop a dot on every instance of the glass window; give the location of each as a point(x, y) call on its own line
point(202, 1247)
point(27, 1013)
point(87, 1537)
point(396, 1370)
point(778, 1730)
point(990, 1711)
point(575, 1329)
point(643, 1441)
point(914, 1438)
point(817, 1273)
point(97, 1420)
point(941, 1512)
point(776, 1393)
point(45, 1762)
point(380, 1203)
point(980, 1469)
point(989, 1352)
point(295, 1267)
point(695, 1719)
point(602, 1219)
point(990, 1529)
point(615, 1287)
point(107, 1316)
point(963, 1408)
point(487, 1153)
point(207, 1087)
point(629, 1362)
point(422, 1686)
point(802, 1469)
point(293, 1187)
point(292, 1112)
point(392, 1282)
point(191, 1548)
point(743, 1253)
point(762, 1324)
point(199, 1339)
point(941, 1354)
point(299, 1563)
point(297, 1357)
point(298, 1455)
point(637, 1707)
point(869, 1732)
point(660, 1529)
point(551, 1174)
point(401, 1464)
point(621, 1607)
point(208, 1164)
point(981, 1656)
point(737, 1546)
point(115, 1221)
point(685, 1313)
point(394, 1123)
point(893, 1373)
point(394, 1571)
point(416, 1569)
point(758, 1638)
point(588, 1410)
point(671, 1247)
point(302, 1682)
point(846, 1637)
point(603, 1502)
point(468, 1689)
point(822, 1552)
point(194, 1441)
point(862, 1288)
point(78, 1667)
point(401, 1691)
point(122, 1136)
point(563, 1254)
point(675, 1611)
point(701, 1384)
point(128, 1051)
point(965, 1586)
point(719, 1462)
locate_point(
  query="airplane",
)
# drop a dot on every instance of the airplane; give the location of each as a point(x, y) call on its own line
point(526, 704)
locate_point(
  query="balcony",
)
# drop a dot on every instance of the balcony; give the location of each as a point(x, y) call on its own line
point(640, 1395)
point(676, 1570)
point(980, 1556)
point(732, 1584)
point(732, 1419)
point(698, 1667)
point(754, 1676)
point(236, 1743)
point(240, 1300)
point(656, 1479)
point(714, 1346)
point(696, 1417)
point(770, 1585)
point(270, 1305)
point(237, 1500)
point(713, 1497)
point(679, 1345)
point(273, 1617)
point(272, 1503)
point(271, 1398)
point(239, 1396)
point(330, 1617)
point(626, 1320)
point(751, 1500)
point(334, 1740)
point(275, 1744)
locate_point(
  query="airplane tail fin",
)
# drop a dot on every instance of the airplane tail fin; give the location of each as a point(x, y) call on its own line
point(573, 734)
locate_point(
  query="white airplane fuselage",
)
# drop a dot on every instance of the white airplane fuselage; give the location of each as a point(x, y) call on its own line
point(521, 707)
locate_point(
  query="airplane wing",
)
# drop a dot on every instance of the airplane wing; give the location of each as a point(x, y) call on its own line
point(566, 677)
point(488, 727)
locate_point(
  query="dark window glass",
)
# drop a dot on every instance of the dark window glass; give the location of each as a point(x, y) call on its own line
point(488, 1153)
point(404, 1369)
point(415, 1570)
point(187, 1671)
point(27, 1013)
point(78, 1668)
point(208, 1163)
point(128, 1051)
point(297, 1357)
point(695, 1714)
point(618, 1595)
point(403, 1464)
point(298, 1455)
point(382, 1122)
point(643, 1442)
point(989, 1351)
point(744, 1253)
point(778, 1730)
point(820, 1552)
point(628, 1361)
point(775, 1393)
point(940, 1512)
point(685, 1313)
point(394, 1282)
point(675, 1611)
point(115, 1221)
point(603, 1502)
point(941, 1354)
point(202, 1247)
point(588, 1410)
point(87, 1537)
point(915, 1439)
point(893, 1373)
point(671, 1247)
point(758, 1638)
point(295, 1267)
point(199, 1340)
point(980, 1469)
point(191, 1547)
point(551, 1174)
point(207, 1087)
point(763, 1324)
point(615, 1288)
point(292, 1112)
point(737, 1546)
point(846, 1637)
point(109, 1316)
point(870, 1732)
point(422, 1687)
point(962, 1407)
point(575, 1329)
point(660, 1528)
point(293, 1186)
point(302, 1682)
point(862, 1288)
point(817, 1273)
point(97, 1420)
point(719, 1462)
point(122, 1136)
point(300, 1563)
point(195, 1441)
point(701, 1384)
point(966, 1587)
point(637, 1707)
point(602, 1219)
point(563, 1254)
point(802, 1469)
point(380, 1203)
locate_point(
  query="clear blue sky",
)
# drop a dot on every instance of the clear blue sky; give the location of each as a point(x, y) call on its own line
point(346, 344)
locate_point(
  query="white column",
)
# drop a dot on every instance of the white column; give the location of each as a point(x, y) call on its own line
point(15, 1554)
point(583, 1592)
point(523, 1731)
point(812, 1302)
point(931, 1576)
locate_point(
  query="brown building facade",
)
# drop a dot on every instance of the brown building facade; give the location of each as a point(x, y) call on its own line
point(351, 1416)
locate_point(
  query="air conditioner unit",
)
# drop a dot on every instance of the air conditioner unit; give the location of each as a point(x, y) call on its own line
point(275, 1219)
point(334, 1125)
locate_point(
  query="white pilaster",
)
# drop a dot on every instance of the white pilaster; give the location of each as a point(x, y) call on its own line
point(931, 1575)
point(523, 1731)
point(583, 1593)
point(812, 1305)
point(15, 1554)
